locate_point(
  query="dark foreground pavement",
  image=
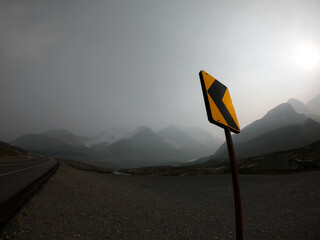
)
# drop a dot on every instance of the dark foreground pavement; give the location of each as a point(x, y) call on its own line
point(17, 179)
point(75, 204)
point(15, 175)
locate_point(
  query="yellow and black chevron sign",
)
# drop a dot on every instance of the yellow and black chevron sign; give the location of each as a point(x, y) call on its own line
point(218, 103)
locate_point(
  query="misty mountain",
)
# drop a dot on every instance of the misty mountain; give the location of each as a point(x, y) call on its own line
point(149, 142)
point(110, 135)
point(280, 116)
point(178, 138)
point(314, 104)
point(281, 139)
point(54, 142)
point(204, 137)
point(66, 137)
point(140, 147)
point(143, 148)
point(202, 145)
point(280, 129)
point(36, 142)
point(300, 107)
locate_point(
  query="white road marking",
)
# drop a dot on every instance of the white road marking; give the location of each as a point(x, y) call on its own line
point(20, 170)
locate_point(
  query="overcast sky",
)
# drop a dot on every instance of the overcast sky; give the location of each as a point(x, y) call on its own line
point(89, 65)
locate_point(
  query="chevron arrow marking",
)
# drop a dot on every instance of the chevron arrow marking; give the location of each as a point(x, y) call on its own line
point(217, 92)
point(218, 103)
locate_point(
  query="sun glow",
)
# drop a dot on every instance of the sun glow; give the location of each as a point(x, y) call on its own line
point(307, 56)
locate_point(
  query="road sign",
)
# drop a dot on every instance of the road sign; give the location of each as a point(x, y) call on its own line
point(218, 103)
point(220, 111)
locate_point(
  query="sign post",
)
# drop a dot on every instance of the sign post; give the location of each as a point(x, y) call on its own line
point(236, 186)
point(220, 111)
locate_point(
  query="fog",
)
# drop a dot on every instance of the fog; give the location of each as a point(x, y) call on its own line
point(90, 65)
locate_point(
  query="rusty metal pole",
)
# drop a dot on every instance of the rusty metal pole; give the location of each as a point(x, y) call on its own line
point(236, 186)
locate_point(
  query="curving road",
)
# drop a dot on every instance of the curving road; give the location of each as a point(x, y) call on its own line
point(16, 175)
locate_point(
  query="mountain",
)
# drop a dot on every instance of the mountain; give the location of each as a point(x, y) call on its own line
point(66, 137)
point(280, 129)
point(280, 139)
point(143, 148)
point(36, 142)
point(149, 142)
point(110, 136)
point(201, 145)
point(204, 137)
point(300, 107)
point(54, 142)
point(178, 138)
point(119, 148)
point(314, 104)
point(280, 116)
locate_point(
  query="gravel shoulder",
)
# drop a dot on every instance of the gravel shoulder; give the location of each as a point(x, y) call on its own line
point(76, 204)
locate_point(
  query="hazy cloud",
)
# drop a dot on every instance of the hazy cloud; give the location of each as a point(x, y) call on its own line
point(90, 65)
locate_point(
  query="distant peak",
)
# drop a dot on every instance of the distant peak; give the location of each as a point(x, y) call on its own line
point(143, 132)
point(284, 109)
point(143, 129)
point(299, 106)
point(314, 104)
point(315, 99)
point(293, 100)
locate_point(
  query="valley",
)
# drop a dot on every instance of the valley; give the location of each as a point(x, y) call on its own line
point(290, 125)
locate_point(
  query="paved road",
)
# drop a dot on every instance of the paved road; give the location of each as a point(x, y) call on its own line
point(15, 175)
point(76, 204)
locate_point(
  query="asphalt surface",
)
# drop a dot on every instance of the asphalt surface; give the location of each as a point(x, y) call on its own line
point(15, 175)
point(76, 204)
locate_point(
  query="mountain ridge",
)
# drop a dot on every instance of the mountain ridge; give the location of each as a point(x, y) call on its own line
point(280, 129)
point(141, 146)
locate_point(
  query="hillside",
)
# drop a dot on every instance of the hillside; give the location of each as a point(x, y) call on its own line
point(280, 129)
point(178, 138)
point(140, 147)
point(66, 137)
point(314, 104)
point(52, 145)
point(109, 136)
point(305, 158)
point(144, 148)
point(308, 110)
point(280, 116)
point(7, 152)
point(195, 144)
point(204, 137)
